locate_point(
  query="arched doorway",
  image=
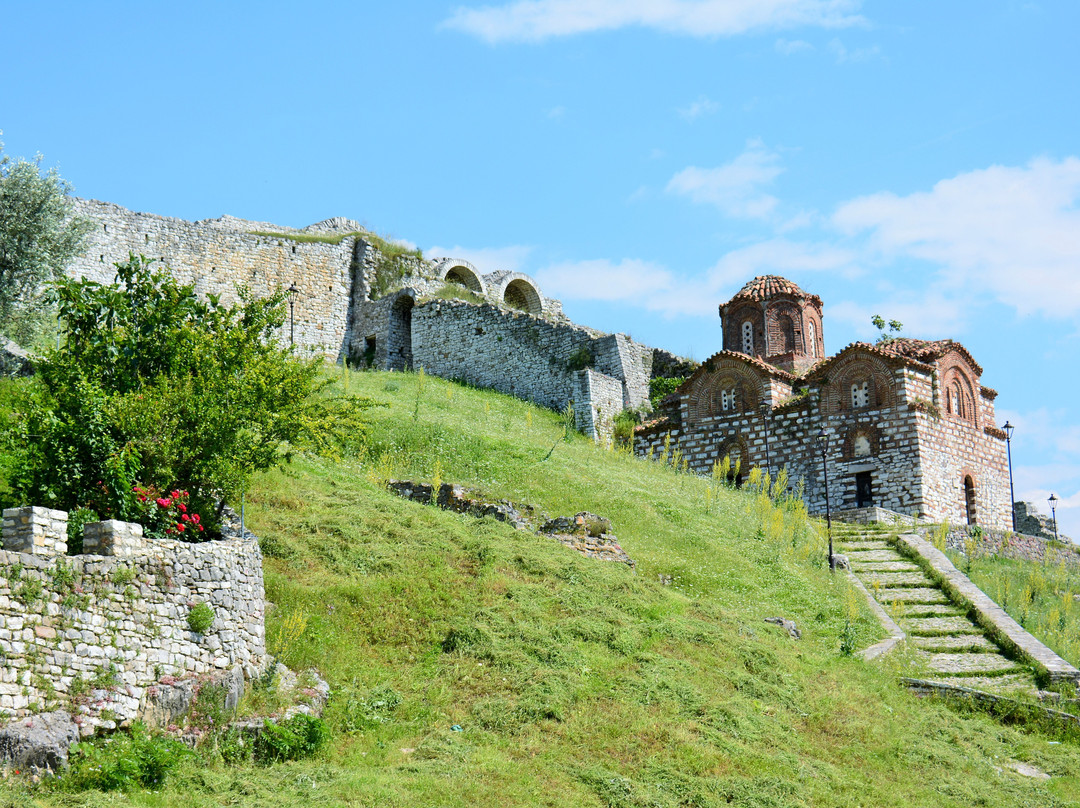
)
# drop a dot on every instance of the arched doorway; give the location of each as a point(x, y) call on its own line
point(969, 499)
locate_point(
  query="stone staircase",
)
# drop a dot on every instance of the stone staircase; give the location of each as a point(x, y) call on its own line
point(947, 645)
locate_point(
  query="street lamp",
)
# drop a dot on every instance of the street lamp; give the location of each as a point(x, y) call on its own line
point(1053, 512)
point(765, 410)
point(828, 509)
point(1008, 430)
point(292, 292)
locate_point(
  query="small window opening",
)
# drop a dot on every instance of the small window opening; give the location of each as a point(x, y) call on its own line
point(811, 338)
point(748, 337)
point(105, 227)
point(969, 500)
point(860, 394)
point(369, 351)
point(147, 237)
point(727, 399)
point(294, 250)
point(101, 258)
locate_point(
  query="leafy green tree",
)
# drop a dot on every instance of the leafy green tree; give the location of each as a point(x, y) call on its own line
point(894, 332)
point(38, 236)
point(158, 399)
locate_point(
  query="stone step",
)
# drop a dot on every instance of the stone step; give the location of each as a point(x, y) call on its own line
point(953, 643)
point(1003, 683)
point(939, 625)
point(883, 566)
point(891, 579)
point(863, 556)
point(920, 594)
point(931, 610)
point(967, 664)
point(849, 545)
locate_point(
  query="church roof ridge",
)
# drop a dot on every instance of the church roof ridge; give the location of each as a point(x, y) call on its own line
point(765, 287)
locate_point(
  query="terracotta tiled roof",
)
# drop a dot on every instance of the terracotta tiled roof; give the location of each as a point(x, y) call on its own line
point(927, 351)
point(764, 287)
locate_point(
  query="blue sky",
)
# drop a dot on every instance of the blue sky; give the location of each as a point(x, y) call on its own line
point(641, 158)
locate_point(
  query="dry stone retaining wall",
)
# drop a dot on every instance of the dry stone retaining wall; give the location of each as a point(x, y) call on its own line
point(94, 633)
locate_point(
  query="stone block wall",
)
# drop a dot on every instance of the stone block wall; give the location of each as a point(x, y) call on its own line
point(598, 398)
point(217, 258)
point(95, 633)
point(36, 531)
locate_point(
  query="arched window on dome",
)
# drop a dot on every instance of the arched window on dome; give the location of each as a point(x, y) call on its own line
point(748, 337)
point(811, 337)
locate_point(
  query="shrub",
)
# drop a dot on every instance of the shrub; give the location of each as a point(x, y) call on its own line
point(660, 388)
point(200, 618)
point(300, 736)
point(580, 359)
point(123, 762)
point(156, 390)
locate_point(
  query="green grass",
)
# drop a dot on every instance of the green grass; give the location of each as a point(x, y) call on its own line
point(389, 249)
point(577, 682)
point(1040, 597)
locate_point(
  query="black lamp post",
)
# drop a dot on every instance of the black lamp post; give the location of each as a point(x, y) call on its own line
point(1053, 512)
point(292, 292)
point(828, 509)
point(1008, 430)
point(765, 410)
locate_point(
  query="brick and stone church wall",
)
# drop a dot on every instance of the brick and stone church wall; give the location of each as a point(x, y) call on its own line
point(96, 632)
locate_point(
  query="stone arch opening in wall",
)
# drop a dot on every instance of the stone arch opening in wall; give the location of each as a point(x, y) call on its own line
point(462, 273)
point(522, 295)
point(399, 337)
point(736, 451)
point(969, 500)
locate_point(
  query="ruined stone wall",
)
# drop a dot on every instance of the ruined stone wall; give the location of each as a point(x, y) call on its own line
point(523, 355)
point(217, 259)
point(93, 633)
point(598, 398)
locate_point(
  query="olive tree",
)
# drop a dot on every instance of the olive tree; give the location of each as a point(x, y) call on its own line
point(38, 236)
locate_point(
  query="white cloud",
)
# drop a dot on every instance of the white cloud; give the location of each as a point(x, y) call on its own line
point(1011, 231)
point(536, 20)
point(778, 256)
point(486, 259)
point(736, 187)
point(637, 283)
point(702, 106)
point(922, 312)
point(843, 55)
point(789, 47)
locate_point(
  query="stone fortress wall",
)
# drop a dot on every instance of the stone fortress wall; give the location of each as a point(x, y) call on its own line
point(96, 634)
point(505, 334)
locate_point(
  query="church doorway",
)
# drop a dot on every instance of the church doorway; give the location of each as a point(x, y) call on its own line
point(864, 490)
point(969, 499)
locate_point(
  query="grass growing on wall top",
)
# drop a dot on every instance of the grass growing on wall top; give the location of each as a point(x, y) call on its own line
point(474, 665)
point(389, 248)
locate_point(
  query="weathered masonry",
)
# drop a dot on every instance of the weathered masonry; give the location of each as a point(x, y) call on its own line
point(909, 426)
point(493, 330)
point(96, 633)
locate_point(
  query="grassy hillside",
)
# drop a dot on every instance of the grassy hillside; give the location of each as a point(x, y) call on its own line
point(474, 665)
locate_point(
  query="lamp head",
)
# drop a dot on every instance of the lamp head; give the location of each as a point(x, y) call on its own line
point(292, 291)
point(1008, 430)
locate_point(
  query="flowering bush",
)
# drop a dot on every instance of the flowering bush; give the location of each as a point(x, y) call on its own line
point(158, 393)
point(167, 514)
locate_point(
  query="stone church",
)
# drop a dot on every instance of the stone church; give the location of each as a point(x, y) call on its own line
point(908, 425)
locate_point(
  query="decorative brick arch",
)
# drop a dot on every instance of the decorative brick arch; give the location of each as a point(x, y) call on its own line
point(870, 432)
point(733, 328)
point(735, 447)
point(959, 384)
point(706, 392)
point(859, 367)
point(971, 494)
point(785, 322)
point(454, 270)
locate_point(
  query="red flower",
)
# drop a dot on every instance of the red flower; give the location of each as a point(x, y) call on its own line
point(182, 507)
point(196, 518)
point(185, 517)
point(163, 503)
point(180, 526)
point(201, 528)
